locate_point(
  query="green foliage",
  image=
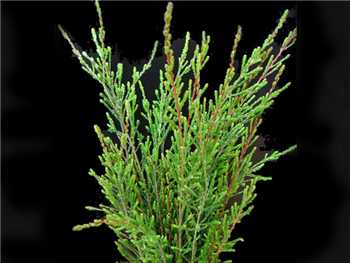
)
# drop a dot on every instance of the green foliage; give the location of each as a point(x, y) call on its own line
point(172, 204)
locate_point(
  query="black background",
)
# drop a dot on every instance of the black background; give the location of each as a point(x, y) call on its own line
point(49, 106)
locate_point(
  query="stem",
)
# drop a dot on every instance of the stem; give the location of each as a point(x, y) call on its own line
point(194, 242)
point(272, 63)
point(252, 131)
point(235, 221)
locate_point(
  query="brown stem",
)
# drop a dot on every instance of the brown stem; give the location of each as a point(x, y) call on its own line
point(252, 131)
point(235, 221)
point(272, 63)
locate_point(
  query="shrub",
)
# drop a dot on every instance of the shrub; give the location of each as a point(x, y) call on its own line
point(180, 203)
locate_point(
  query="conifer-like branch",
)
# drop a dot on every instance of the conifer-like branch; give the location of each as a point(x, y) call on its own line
point(174, 204)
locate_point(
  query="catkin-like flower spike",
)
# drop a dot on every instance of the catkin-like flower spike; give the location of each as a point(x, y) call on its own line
point(277, 78)
point(185, 48)
point(66, 37)
point(167, 36)
point(269, 40)
point(95, 223)
point(290, 39)
point(281, 22)
point(235, 45)
point(101, 28)
point(150, 61)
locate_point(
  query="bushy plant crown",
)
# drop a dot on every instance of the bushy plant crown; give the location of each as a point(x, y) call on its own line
point(174, 204)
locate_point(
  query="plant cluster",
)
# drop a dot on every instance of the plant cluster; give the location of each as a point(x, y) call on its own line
point(174, 204)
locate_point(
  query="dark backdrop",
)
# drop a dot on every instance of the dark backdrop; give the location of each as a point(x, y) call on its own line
point(49, 106)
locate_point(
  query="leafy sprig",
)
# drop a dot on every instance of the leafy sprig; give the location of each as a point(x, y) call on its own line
point(174, 204)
